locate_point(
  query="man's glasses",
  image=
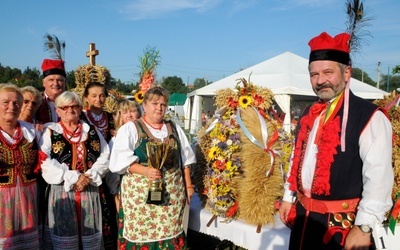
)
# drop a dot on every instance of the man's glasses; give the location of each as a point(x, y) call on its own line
point(65, 108)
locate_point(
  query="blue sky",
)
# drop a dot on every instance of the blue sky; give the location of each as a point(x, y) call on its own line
point(207, 39)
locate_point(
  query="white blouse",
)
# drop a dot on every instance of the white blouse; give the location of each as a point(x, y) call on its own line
point(124, 145)
point(56, 173)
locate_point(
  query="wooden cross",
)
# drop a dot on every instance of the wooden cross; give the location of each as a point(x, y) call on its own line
point(92, 53)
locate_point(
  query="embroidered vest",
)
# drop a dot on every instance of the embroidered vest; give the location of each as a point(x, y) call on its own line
point(173, 159)
point(18, 160)
point(65, 152)
point(346, 169)
point(107, 133)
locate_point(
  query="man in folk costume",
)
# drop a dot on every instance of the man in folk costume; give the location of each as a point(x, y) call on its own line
point(340, 181)
point(54, 81)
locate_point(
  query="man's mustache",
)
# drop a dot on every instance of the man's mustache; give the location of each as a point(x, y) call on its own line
point(324, 86)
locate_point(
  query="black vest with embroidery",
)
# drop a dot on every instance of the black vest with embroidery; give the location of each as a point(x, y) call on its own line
point(346, 170)
point(65, 152)
point(18, 160)
point(173, 159)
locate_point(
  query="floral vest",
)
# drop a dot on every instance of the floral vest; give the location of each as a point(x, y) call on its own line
point(65, 152)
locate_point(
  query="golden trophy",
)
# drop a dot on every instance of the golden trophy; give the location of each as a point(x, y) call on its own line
point(157, 153)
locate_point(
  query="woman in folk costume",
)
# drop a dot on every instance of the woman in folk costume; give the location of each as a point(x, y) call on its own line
point(95, 95)
point(127, 111)
point(152, 222)
point(341, 171)
point(76, 160)
point(30, 105)
point(18, 162)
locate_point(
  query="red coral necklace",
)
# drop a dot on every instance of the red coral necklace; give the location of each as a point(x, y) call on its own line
point(157, 127)
point(69, 135)
point(101, 123)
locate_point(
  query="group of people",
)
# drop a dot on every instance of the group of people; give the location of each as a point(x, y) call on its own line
point(66, 170)
point(73, 176)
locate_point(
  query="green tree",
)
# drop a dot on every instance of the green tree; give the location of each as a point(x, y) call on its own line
point(199, 83)
point(396, 70)
point(7, 74)
point(358, 74)
point(389, 82)
point(174, 84)
point(29, 77)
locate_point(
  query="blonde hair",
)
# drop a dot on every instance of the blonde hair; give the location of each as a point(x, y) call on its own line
point(125, 106)
point(9, 87)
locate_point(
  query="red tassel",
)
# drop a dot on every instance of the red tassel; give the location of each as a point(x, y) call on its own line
point(41, 158)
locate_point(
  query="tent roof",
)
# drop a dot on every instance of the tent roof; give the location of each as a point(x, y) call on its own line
point(286, 73)
point(177, 99)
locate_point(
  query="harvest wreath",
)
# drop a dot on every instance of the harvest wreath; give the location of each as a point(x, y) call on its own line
point(245, 153)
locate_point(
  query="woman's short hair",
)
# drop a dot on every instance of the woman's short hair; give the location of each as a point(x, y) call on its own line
point(68, 97)
point(36, 93)
point(156, 92)
point(10, 87)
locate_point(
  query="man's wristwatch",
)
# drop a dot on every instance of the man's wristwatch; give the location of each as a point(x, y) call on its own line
point(365, 228)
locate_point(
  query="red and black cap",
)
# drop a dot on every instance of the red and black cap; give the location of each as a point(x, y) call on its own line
point(53, 67)
point(325, 47)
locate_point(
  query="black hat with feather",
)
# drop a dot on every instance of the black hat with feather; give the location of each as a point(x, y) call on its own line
point(54, 66)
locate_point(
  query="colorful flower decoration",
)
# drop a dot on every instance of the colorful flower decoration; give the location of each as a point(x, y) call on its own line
point(222, 143)
point(148, 63)
point(391, 104)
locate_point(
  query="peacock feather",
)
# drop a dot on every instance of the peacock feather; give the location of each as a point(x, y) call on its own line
point(54, 46)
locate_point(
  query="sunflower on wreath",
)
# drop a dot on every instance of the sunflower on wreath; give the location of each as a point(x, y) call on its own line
point(148, 63)
point(242, 150)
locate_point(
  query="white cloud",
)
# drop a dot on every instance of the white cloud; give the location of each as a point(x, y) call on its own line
point(150, 9)
point(291, 4)
point(239, 5)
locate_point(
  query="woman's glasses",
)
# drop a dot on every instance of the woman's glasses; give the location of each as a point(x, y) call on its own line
point(65, 108)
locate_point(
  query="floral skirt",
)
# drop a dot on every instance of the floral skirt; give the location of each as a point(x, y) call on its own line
point(177, 243)
point(158, 226)
point(19, 217)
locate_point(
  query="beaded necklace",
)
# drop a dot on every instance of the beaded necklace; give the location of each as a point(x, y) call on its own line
point(69, 135)
point(101, 123)
point(154, 127)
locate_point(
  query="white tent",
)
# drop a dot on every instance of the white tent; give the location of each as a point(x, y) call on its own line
point(286, 74)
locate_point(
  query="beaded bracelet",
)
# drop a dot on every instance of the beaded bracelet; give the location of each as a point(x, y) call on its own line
point(190, 186)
